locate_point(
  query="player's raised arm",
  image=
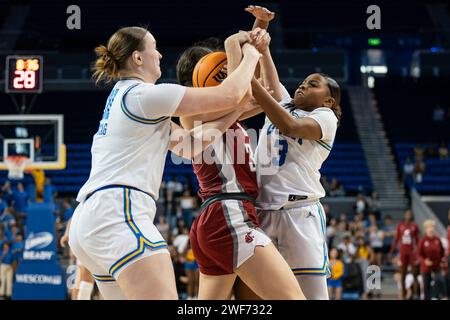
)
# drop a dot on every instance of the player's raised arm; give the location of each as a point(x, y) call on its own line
point(233, 51)
point(267, 70)
point(234, 55)
point(269, 73)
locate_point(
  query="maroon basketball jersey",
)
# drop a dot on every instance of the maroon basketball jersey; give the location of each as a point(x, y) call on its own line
point(227, 165)
point(408, 236)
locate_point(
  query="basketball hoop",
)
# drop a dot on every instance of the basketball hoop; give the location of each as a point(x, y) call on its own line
point(16, 165)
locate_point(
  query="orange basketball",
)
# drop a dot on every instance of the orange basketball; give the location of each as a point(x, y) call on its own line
point(209, 70)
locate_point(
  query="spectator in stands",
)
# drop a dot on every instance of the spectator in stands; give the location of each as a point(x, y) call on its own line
point(419, 171)
point(438, 113)
point(187, 203)
point(64, 215)
point(343, 218)
point(192, 273)
point(371, 220)
point(325, 184)
point(443, 151)
point(360, 229)
point(179, 225)
point(352, 228)
point(431, 152)
point(67, 210)
point(170, 207)
point(360, 205)
point(419, 153)
point(374, 204)
point(12, 232)
point(408, 169)
point(388, 229)
point(7, 192)
point(21, 199)
point(7, 218)
point(347, 248)
point(364, 254)
point(175, 189)
point(331, 231)
point(376, 242)
point(336, 189)
point(181, 240)
point(334, 283)
point(161, 203)
point(180, 276)
point(6, 271)
point(188, 184)
point(179, 188)
point(163, 227)
point(3, 203)
point(50, 191)
point(431, 254)
point(341, 232)
point(17, 248)
point(407, 234)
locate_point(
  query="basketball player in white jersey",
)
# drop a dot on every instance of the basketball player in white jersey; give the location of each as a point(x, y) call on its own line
point(112, 230)
point(296, 139)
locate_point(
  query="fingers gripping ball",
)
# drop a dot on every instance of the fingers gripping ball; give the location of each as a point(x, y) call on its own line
point(210, 70)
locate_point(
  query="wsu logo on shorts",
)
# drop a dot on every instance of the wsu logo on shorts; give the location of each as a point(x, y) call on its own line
point(249, 237)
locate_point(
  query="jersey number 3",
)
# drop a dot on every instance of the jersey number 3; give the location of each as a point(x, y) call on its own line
point(283, 147)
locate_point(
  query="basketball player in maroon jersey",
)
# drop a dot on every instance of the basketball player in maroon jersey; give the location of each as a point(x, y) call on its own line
point(225, 237)
point(407, 235)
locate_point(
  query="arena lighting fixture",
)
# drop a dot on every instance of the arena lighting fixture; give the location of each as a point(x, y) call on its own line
point(374, 69)
point(435, 49)
point(371, 82)
point(374, 41)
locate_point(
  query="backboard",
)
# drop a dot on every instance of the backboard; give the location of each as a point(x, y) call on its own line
point(38, 137)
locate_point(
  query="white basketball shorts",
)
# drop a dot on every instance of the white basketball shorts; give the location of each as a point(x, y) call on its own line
point(114, 228)
point(299, 235)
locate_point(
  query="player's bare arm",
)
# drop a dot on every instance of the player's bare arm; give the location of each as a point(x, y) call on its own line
point(185, 142)
point(233, 50)
point(262, 16)
point(269, 73)
point(305, 128)
point(229, 93)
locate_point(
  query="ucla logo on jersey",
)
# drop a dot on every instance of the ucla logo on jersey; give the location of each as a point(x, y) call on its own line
point(103, 128)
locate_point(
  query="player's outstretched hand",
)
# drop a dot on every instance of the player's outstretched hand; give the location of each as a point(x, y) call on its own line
point(260, 13)
point(248, 49)
point(260, 38)
point(242, 37)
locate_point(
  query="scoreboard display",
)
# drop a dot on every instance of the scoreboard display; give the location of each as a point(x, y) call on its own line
point(23, 74)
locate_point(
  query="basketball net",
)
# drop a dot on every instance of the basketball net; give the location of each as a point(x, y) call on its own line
point(16, 165)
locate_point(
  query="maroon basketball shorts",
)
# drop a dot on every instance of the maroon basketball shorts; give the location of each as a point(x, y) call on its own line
point(225, 235)
point(407, 257)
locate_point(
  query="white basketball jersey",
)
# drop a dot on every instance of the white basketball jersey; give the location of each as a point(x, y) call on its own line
point(132, 141)
point(290, 166)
